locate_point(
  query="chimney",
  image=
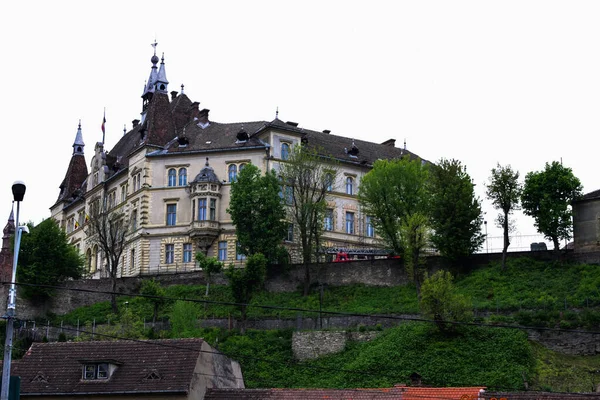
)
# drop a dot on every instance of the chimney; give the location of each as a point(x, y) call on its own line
point(390, 142)
point(327, 131)
point(290, 123)
point(173, 95)
point(194, 110)
point(203, 116)
point(135, 122)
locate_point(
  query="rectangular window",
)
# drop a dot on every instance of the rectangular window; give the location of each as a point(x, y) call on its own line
point(95, 371)
point(370, 227)
point(132, 259)
point(134, 220)
point(171, 214)
point(290, 233)
point(193, 210)
point(123, 193)
point(238, 253)
point(328, 224)
point(201, 209)
point(187, 252)
point(349, 223)
point(213, 209)
point(169, 253)
point(222, 250)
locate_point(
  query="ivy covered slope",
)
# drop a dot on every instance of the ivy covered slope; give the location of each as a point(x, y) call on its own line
point(496, 358)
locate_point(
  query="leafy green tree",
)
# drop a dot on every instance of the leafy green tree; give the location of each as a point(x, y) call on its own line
point(210, 266)
point(455, 211)
point(441, 302)
point(183, 318)
point(156, 292)
point(46, 258)
point(414, 232)
point(307, 182)
point(257, 213)
point(547, 196)
point(393, 191)
point(504, 190)
point(245, 282)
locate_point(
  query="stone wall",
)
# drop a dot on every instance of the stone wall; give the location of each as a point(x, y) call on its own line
point(310, 345)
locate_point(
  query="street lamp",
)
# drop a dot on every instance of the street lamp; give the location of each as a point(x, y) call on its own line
point(487, 248)
point(18, 189)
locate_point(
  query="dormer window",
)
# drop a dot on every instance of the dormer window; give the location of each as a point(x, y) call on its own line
point(97, 371)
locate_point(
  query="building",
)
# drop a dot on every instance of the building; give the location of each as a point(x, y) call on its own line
point(148, 369)
point(586, 222)
point(6, 253)
point(171, 176)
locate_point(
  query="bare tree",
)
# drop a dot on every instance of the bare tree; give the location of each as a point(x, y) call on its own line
point(108, 229)
point(307, 178)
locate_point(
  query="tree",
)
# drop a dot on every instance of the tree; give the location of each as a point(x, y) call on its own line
point(441, 302)
point(504, 190)
point(547, 196)
point(455, 211)
point(156, 295)
point(393, 191)
point(414, 233)
point(108, 229)
point(210, 266)
point(257, 213)
point(244, 282)
point(46, 258)
point(307, 181)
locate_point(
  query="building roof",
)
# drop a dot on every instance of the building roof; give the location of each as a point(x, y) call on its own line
point(394, 393)
point(589, 196)
point(77, 173)
point(304, 394)
point(538, 395)
point(57, 367)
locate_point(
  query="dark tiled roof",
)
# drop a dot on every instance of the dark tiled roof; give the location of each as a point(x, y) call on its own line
point(217, 136)
point(57, 367)
point(304, 394)
point(77, 172)
point(590, 196)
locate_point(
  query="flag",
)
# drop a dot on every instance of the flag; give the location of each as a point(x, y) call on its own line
point(76, 225)
point(103, 123)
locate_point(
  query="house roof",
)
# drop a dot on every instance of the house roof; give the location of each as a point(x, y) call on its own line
point(304, 394)
point(57, 367)
point(449, 393)
point(539, 395)
point(589, 196)
point(77, 173)
point(394, 393)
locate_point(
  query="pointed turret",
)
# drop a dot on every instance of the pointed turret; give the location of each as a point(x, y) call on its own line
point(77, 172)
point(151, 84)
point(161, 79)
point(6, 254)
point(78, 144)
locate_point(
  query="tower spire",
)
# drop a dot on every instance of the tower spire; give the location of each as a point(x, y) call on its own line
point(78, 144)
point(161, 78)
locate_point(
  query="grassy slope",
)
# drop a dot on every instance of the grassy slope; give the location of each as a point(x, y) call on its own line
point(541, 288)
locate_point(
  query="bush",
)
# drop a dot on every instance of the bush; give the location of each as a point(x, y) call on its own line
point(441, 302)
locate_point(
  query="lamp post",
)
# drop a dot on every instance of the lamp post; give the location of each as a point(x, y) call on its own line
point(18, 189)
point(487, 248)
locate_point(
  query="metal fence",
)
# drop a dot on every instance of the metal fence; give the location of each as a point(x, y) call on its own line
point(494, 244)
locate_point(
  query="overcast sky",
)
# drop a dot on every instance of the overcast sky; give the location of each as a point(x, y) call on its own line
point(512, 82)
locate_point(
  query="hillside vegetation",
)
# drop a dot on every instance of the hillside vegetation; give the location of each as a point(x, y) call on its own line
point(528, 293)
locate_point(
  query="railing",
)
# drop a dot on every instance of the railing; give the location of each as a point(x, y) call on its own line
point(494, 244)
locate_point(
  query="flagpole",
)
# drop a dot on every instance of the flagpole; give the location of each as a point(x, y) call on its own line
point(103, 122)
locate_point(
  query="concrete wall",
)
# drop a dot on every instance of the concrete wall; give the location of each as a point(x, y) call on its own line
point(586, 225)
point(310, 345)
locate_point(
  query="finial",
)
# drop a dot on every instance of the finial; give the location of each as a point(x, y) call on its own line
point(277, 113)
point(162, 59)
point(154, 45)
point(124, 129)
point(206, 162)
point(182, 88)
point(79, 124)
point(404, 143)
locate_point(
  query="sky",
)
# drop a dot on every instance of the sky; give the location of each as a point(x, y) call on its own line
point(511, 82)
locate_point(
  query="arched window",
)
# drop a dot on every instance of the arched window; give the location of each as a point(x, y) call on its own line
point(285, 151)
point(349, 185)
point(172, 177)
point(232, 172)
point(182, 177)
point(242, 166)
